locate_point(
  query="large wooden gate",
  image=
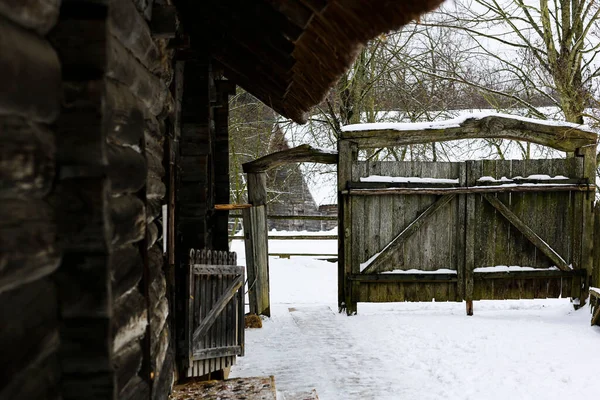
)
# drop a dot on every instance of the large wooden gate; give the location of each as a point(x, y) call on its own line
point(450, 231)
point(215, 312)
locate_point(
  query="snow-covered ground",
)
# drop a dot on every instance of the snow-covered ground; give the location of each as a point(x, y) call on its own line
point(530, 349)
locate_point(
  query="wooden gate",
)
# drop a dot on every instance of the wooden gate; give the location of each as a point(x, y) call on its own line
point(450, 231)
point(215, 310)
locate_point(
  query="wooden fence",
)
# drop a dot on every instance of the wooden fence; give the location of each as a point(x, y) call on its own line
point(283, 254)
point(215, 309)
point(419, 231)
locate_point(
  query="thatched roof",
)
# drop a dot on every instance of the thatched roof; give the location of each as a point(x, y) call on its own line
point(289, 53)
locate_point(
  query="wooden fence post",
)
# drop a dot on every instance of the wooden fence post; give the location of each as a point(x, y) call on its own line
point(257, 250)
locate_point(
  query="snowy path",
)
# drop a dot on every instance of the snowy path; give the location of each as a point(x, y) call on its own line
point(508, 350)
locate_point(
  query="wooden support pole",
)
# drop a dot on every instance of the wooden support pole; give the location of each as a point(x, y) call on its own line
point(257, 259)
point(469, 263)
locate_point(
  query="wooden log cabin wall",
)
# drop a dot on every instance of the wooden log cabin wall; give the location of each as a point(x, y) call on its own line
point(85, 115)
point(97, 97)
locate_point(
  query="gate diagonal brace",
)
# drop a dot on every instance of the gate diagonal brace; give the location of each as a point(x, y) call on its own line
point(414, 226)
point(528, 232)
point(218, 307)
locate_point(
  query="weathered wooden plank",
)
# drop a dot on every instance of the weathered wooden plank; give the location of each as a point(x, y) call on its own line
point(199, 269)
point(404, 277)
point(128, 216)
point(565, 138)
point(37, 15)
point(29, 247)
point(470, 221)
point(30, 70)
point(347, 153)
point(526, 274)
point(217, 307)
point(257, 266)
point(217, 352)
point(27, 158)
point(378, 263)
point(528, 233)
point(472, 189)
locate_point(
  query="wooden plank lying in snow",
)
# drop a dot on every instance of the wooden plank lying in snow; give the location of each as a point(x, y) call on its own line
point(254, 388)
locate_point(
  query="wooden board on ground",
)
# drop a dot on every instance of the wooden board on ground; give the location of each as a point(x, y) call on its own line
point(251, 388)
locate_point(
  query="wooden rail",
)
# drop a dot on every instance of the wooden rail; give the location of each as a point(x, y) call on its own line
point(295, 237)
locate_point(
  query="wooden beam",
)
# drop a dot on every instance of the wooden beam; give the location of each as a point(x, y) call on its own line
point(478, 276)
point(387, 253)
point(473, 189)
point(217, 308)
point(302, 153)
point(564, 138)
point(596, 317)
point(206, 269)
point(528, 233)
point(217, 352)
point(401, 277)
point(227, 207)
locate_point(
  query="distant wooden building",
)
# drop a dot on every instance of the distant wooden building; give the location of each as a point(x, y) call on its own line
point(109, 111)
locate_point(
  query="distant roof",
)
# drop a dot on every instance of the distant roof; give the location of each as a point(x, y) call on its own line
point(290, 53)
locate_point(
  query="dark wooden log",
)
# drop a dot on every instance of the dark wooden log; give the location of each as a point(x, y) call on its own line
point(158, 328)
point(130, 318)
point(153, 209)
point(164, 22)
point(155, 164)
point(155, 136)
point(145, 8)
point(565, 138)
point(136, 389)
point(37, 15)
point(130, 28)
point(155, 188)
point(29, 331)
point(29, 246)
point(27, 159)
point(45, 386)
point(126, 169)
point(127, 363)
point(163, 381)
point(80, 205)
point(302, 153)
point(155, 262)
point(83, 282)
point(124, 116)
point(159, 349)
point(126, 269)
point(123, 67)
point(153, 233)
point(158, 287)
point(30, 70)
point(128, 217)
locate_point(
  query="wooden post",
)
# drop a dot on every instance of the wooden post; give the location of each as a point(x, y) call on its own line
point(596, 248)
point(587, 239)
point(469, 263)
point(257, 259)
point(257, 248)
point(347, 152)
